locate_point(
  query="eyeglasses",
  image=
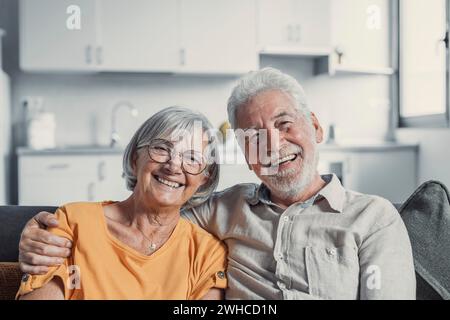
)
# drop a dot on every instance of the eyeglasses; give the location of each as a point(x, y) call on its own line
point(161, 151)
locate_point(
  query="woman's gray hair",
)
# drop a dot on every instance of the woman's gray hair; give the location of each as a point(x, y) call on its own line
point(262, 80)
point(173, 121)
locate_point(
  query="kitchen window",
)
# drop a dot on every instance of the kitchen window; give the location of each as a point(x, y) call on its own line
point(423, 63)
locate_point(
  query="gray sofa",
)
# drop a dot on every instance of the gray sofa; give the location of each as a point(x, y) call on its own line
point(14, 218)
point(12, 221)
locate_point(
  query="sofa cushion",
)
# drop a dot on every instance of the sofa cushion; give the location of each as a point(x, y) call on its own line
point(10, 276)
point(427, 217)
point(12, 221)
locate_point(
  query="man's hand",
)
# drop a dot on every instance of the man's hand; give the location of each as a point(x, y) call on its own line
point(40, 249)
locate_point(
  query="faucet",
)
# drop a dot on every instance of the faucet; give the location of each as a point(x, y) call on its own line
point(115, 138)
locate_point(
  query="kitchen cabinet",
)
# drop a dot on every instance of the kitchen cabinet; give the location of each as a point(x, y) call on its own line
point(218, 36)
point(346, 36)
point(361, 32)
point(47, 40)
point(205, 36)
point(294, 27)
point(49, 179)
point(141, 36)
point(389, 171)
point(361, 38)
point(110, 184)
point(113, 36)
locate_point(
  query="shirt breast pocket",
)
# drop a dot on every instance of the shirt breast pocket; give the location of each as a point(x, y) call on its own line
point(333, 273)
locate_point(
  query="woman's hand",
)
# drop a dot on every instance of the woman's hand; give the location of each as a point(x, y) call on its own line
point(40, 249)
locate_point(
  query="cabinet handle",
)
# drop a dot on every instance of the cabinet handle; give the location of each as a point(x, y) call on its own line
point(445, 40)
point(101, 171)
point(99, 55)
point(290, 34)
point(88, 54)
point(91, 195)
point(298, 33)
point(182, 56)
point(340, 54)
point(58, 166)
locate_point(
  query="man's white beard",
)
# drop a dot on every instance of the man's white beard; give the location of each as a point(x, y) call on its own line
point(293, 182)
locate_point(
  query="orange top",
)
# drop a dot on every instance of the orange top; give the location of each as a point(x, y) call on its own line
point(190, 263)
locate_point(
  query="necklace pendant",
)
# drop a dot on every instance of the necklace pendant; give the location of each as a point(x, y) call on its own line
point(152, 246)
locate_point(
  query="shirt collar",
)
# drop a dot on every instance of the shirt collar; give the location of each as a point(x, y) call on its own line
point(333, 192)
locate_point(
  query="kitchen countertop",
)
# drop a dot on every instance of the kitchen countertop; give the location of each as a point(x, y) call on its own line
point(71, 150)
point(89, 150)
point(367, 146)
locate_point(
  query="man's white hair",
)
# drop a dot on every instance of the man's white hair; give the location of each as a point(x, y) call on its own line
point(262, 80)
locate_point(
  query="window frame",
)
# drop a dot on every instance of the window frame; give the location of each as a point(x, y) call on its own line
point(441, 120)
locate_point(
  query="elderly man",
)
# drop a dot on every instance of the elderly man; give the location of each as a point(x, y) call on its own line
point(298, 235)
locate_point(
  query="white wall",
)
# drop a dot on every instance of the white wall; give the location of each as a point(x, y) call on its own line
point(82, 103)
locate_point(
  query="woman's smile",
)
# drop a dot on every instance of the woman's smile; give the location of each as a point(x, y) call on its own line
point(167, 182)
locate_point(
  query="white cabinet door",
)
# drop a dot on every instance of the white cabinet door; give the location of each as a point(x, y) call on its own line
point(218, 36)
point(138, 35)
point(55, 191)
point(390, 174)
point(55, 180)
point(58, 179)
point(294, 23)
point(361, 32)
point(111, 184)
point(49, 38)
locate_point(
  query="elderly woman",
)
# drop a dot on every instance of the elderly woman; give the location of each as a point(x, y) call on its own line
point(140, 248)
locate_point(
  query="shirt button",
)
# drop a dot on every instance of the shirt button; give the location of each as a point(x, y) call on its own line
point(281, 285)
point(286, 219)
point(331, 252)
point(280, 256)
point(221, 274)
point(25, 277)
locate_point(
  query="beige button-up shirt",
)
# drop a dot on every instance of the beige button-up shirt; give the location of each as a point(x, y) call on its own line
point(339, 244)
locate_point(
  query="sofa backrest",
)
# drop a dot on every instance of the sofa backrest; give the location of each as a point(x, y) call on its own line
point(14, 218)
point(12, 221)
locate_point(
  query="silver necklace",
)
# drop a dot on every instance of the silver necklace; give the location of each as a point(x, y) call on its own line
point(153, 245)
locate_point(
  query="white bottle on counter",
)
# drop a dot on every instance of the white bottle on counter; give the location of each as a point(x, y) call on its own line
point(5, 125)
point(41, 126)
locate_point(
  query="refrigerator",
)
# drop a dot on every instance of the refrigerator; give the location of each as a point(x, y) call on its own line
point(5, 125)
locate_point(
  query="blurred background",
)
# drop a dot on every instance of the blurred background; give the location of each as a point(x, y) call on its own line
point(80, 76)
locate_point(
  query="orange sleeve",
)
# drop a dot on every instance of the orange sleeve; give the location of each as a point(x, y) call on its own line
point(212, 270)
point(63, 271)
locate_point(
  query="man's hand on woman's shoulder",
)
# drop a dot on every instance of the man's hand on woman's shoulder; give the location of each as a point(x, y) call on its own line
point(38, 248)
